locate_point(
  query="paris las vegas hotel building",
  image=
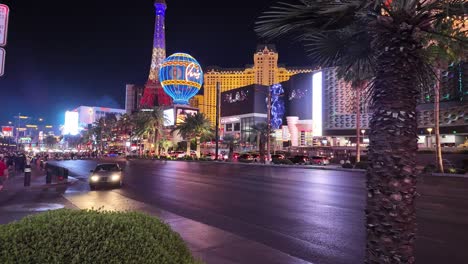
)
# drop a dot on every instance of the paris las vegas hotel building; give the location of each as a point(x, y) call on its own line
point(317, 104)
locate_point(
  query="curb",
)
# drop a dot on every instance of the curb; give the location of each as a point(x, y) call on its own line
point(70, 181)
point(449, 175)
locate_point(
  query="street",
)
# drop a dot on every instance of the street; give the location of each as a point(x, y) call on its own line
point(314, 215)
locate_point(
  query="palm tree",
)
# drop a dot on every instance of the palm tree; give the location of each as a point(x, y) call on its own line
point(261, 130)
point(392, 34)
point(151, 124)
point(50, 141)
point(441, 53)
point(194, 126)
point(166, 144)
point(359, 79)
point(231, 142)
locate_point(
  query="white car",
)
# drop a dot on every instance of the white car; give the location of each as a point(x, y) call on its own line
point(106, 174)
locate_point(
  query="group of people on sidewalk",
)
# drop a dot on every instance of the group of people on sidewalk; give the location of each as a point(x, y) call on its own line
point(10, 164)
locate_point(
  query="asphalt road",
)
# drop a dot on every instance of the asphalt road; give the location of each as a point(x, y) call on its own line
point(315, 215)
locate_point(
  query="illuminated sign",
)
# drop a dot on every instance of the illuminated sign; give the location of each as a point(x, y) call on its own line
point(48, 126)
point(71, 123)
point(169, 119)
point(181, 77)
point(2, 61)
point(192, 71)
point(317, 98)
point(226, 120)
point(4, 13)
point(183, 113)
point(7, 131)
point(31, 126)
point(23, 117)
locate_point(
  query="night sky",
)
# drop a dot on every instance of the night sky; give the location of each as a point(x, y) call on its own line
point(62, 54)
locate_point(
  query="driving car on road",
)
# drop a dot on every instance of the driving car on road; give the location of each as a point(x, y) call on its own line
point(106, 174)
point(319, 160)
point(300, 159)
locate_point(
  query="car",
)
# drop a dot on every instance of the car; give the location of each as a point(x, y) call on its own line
point(212, 156)
point(106, 174)
point(235, 155)
point(178, 154)
point(245, 157)
point(300, 159)
point(319, 160)
point(255, 157)
point(277, 156)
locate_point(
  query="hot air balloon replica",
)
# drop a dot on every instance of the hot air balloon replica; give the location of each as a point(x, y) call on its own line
point(181, 77)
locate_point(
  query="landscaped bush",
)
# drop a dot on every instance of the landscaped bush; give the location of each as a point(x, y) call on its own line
point(188, 157)
point(361, 165)
point(465, 164)
point(73, 236)
point(347, 165)
point(430, 168)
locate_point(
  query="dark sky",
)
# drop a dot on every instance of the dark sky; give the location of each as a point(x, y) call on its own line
point(62, 54)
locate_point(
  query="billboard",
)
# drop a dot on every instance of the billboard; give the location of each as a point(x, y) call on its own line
point(169, 118)
point(244, 100)
point(7, 131)
point(71, 123)
point(182, 113)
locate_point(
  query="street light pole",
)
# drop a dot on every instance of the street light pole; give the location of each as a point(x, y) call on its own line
point(268, 126)
point(217, 120)
point(429, 139)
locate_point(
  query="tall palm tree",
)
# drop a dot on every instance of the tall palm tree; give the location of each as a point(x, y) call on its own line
point(151, 124)
point(392, 33)
point(231, 142)
point(50, 141)
point(358, 77)
point(441, 53)
point(166, 144)
point(194, 126)
point(261, 130)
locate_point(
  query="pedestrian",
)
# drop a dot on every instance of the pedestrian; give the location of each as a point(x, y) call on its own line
point(3, 173)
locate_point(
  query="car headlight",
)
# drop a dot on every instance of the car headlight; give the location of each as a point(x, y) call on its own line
point(115, 177)
point(94, 178)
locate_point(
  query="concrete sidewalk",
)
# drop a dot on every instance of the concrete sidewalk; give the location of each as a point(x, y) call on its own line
point(208, 243)
point(18, 201)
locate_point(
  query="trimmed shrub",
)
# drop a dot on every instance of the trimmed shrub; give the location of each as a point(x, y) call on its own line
point(430, 168)
point(188, 157)
point(347, 165)
point(465, 164)
point(361, 165)
point(85, 236)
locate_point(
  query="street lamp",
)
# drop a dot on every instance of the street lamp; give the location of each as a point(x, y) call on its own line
point(429, 129)
point(363, 131)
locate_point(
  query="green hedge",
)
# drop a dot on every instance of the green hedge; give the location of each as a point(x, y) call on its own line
point(347, 165)
point(361, 165)
point(74, 236)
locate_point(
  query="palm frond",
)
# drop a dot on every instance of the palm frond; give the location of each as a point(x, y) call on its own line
point(288, 18)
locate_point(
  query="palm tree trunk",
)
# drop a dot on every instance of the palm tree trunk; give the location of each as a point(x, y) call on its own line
point(358, 122)
point(392, 175)
point(156, 142)
point(198, 146)
point(188, 147)
point(440, 164)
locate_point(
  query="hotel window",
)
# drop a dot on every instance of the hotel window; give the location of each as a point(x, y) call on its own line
point(228, 127)
point(236, 126)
